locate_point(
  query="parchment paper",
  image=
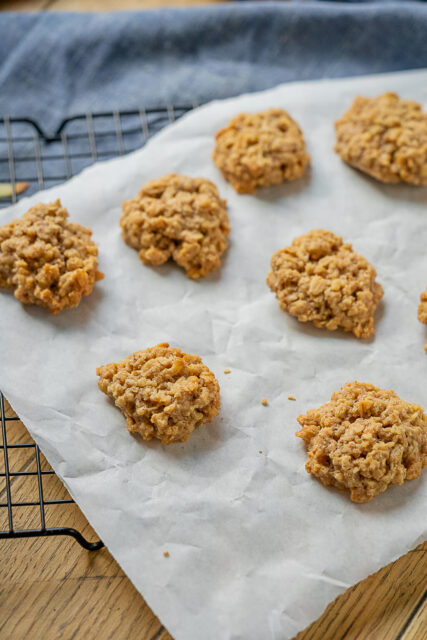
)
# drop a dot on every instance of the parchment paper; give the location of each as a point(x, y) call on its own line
point(257, 547)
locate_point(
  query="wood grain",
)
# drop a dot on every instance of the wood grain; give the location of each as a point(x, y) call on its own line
point(416, 626)
point(24, 5)
point(128, 5)
point(96, 5)
point(50, 588)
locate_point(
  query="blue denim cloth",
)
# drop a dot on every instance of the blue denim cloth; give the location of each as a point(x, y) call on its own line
point(53, 64)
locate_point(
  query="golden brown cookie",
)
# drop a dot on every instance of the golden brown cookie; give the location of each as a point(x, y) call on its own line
point(180, 218)
point(321, 280)
point(260, 150)
point(385, 137)
point(47, 260)
point(422, 310)
point(162, 392)
point(364, 440)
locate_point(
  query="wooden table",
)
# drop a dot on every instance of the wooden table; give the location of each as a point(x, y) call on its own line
point(95, 5)
point(51, 589)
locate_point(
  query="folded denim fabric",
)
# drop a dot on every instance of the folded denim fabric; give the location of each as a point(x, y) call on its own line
point(58, 64)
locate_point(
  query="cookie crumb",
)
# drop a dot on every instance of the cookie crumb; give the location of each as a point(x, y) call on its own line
point(6, 189)
point(227, 370)
point(422, 310)
point(166, 554)
point(260, 451)
point(291, 397)
point(264, 402)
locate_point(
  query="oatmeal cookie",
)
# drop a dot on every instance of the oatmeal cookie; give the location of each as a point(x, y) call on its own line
point(162, 392)
point(364, 440)
point(260, 150)
point(47, 260)
point(321, 280)
point(422, 310)
point(180, 218)
point(385, 137)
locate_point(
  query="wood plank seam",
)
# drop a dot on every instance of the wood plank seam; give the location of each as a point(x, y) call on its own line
point(418, 626)
point(159, 633)
point(412, 615)
point(331, 626)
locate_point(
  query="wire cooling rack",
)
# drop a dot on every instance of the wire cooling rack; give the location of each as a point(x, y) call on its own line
point(33, 159)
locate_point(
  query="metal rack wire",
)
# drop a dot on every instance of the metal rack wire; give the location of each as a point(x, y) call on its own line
point(30, 155)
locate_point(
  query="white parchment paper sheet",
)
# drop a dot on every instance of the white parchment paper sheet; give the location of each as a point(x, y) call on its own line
point(257, 547)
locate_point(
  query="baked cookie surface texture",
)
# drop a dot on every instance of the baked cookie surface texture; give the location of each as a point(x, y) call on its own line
point(180, 218)
point(162, 392)
point(422, 310)
point(364, 440)
point(385, 137)
point(47, 260)
point(319, 279)
point(260, 150)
